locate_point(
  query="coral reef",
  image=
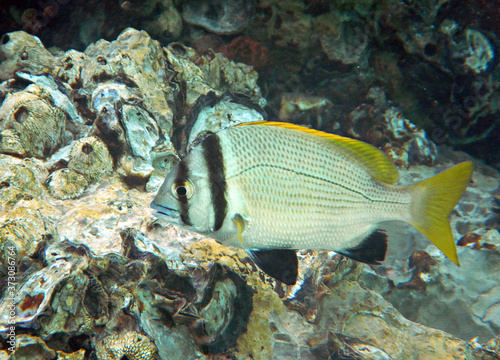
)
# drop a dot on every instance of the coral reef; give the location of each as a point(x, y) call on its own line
point(186, 307)
point(88, 133)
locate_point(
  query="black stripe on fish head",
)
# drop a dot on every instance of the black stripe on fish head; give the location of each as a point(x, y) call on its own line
point(212, 153)
point(183, 174)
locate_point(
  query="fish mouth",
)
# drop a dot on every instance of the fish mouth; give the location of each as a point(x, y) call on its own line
point(164, 212)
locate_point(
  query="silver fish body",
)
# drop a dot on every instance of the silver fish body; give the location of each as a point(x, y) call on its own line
point(297, 192)
point(279, 186)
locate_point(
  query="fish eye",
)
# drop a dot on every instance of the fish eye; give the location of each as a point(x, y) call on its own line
point(182, 189)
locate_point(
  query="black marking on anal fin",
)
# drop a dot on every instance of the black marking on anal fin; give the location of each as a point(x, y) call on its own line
point(279, 264)
point(371, 250)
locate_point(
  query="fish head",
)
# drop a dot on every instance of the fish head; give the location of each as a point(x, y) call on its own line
point(184, 197)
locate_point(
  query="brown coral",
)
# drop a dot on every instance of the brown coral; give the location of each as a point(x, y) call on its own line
point(422, 264)
point(247, 50)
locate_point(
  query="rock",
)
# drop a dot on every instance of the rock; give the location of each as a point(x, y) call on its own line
point(349, 46)
point(35, 119)
point(165, 26)
point(213, 113)
point(32, 347)
point(386, 128)
point(220, 17)
point(70, 66)
point(20, 51)
point(138, 61)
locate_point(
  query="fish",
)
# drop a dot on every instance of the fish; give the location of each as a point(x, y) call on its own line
point(273, 188)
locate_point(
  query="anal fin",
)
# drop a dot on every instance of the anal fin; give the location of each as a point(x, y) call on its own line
point(279, 264)
point(371, 250)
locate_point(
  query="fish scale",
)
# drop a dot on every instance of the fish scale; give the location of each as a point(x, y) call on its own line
point(318, 200)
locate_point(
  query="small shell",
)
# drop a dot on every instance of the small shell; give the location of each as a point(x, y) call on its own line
point(57, 93)
point(35, 291)
point(131, 344)
point(90, 157)
point(66, 184)
point(141, 130)
point(96, 300)
point(10, 143)
point(37, 167)
point(19, 181)
point(38, 122)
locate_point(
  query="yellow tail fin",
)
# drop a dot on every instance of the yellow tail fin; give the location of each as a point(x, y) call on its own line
point(433, 199)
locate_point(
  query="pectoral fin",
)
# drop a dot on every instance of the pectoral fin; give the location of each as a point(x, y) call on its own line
point(279, 264)
point(240, 225)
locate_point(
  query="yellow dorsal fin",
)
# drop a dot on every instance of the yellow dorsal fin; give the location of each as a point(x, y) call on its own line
point(378, 165)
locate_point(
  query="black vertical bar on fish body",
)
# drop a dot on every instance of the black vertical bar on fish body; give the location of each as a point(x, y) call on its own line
point(183, 173)
point(212, 153)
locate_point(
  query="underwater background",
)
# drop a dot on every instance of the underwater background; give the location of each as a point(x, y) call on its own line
point(100, 99)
